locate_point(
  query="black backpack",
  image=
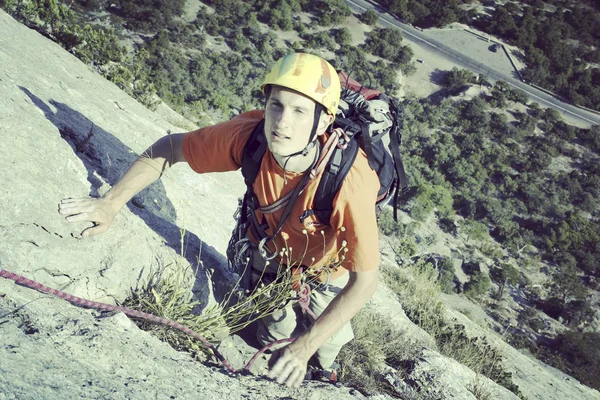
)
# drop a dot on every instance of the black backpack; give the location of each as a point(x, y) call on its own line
point(366, 116)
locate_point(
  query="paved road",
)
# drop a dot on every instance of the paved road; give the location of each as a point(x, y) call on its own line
point(585, 118)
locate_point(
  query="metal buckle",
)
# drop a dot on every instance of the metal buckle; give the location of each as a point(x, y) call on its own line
point(263, 252)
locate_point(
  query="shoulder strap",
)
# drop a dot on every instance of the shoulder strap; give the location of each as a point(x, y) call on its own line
point(337, 169)
point(395, 142)
point(255, 149)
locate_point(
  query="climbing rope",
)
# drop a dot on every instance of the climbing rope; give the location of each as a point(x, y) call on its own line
point(21, 280)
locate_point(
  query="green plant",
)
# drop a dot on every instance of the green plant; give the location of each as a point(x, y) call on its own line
point(369, 17)
point(386, 223)
point(457, 78)
point(418, 292)
point(581, 355)
point(478, 285)
point(167, 293)
point(446, 275)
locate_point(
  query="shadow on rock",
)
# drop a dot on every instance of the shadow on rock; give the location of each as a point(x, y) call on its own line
point(107, 157)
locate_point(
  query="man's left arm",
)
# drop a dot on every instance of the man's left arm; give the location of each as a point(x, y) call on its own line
point(291, 366)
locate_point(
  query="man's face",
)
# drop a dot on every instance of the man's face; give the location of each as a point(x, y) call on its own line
point(289, 120)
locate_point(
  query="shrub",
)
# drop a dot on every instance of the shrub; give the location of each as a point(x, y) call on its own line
point(386, 223)
point(386, 43)
point(478, 285)
point(581, 353)
point(457, 78)
point(322, 39)
point(150, 15)
point(341, 36)
point(97, 46)
point(447, 274)
point(369, 17)
point(418, 292)
point(517, 95)
point(377, 343)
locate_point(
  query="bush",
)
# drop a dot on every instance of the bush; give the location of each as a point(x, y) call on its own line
point(98, 46)
point(330, 12)
point(478, 285)
point(386, 223)
point(150, 15)
point(418, 292)
point(377, 343)
point(581, 352)
point(447, 274)
point(369, 17)
point(517, 95)
point(341, 36)
point(457, 78)
point(386, 43)
point(318, 40)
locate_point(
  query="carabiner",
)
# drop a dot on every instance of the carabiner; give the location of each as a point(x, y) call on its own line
point(264, 252)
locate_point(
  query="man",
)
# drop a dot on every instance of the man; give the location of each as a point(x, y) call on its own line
point(302, 94)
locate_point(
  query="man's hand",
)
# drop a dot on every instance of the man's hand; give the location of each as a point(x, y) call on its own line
point(290, 367)
point(98, 211)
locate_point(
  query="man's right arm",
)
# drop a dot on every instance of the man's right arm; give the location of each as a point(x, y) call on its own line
point(149, 167)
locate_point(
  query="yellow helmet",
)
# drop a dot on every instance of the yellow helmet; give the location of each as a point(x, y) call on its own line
point(307, 74)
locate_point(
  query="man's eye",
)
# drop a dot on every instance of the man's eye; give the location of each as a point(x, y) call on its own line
point(299, 111)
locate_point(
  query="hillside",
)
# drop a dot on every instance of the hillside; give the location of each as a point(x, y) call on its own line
point(69, 132)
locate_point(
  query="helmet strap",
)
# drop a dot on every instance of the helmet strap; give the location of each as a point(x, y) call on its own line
point(311, 140)
point(313, 134)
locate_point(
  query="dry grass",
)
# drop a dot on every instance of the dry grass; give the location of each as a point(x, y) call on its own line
point(377, 346)
point(480, 389)
point(168, 294)
point(418, 291)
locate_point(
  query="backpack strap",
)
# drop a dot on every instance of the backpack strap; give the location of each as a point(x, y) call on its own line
point(255, 149)
point(401, 183)
point(335, 172)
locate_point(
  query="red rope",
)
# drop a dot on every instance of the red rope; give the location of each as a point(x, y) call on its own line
point(21, 280)
point(304, 300)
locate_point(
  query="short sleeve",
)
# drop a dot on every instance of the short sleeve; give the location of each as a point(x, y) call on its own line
point(219, 148)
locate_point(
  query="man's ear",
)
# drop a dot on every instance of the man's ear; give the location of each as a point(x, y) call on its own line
point(324, 121)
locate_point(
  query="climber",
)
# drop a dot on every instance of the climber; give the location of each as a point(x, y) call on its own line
point(302, 93)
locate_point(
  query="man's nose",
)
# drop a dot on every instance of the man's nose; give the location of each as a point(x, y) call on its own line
point(285, 118)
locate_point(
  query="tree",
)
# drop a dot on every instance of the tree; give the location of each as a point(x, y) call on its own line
point(581, 351)
point(342, 36)
point(478, 285)
point(369, 17)
point(503, 23)
point(565, 283)
point(472, 229)
point(457, 78)
point(504, 274)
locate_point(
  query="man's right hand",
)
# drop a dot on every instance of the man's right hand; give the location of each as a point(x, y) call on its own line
point(150, 166)
point(98, 211)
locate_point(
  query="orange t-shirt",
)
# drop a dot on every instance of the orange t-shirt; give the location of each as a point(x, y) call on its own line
point(353, 223)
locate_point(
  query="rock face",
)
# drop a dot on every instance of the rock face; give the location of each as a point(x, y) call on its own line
point(66, 131)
